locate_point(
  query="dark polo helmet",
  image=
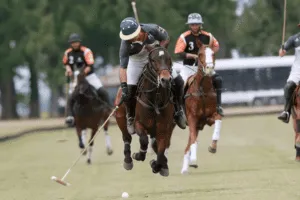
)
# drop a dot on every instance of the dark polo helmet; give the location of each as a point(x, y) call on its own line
point(129, 28)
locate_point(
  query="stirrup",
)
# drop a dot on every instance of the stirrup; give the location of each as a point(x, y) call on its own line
point(70, 121)
point(220, 111)
point(180, 119)
point(130, 125)
point(284, 116)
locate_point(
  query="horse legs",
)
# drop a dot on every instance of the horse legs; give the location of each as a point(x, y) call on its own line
point(144, 141)
point(190, 153)
point(161, 165)
point(128, 164)
point(90, 149)
point(216, 135)
point(108, 145)
point(297, 138)
point(79, 132)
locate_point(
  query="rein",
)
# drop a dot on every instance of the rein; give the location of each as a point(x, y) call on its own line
point(150, 75)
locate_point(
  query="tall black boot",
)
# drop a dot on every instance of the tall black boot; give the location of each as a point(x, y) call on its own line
point(70, 121)
point(218, 84)
point(178, 90)
point(130, 108)
point(288, 93)
point(102, 93)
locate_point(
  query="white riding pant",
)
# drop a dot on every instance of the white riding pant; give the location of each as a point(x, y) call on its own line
point(295, 73)
point(94, 81)
point(135, 67)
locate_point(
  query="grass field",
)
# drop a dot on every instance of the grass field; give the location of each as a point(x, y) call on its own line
point(255, 160)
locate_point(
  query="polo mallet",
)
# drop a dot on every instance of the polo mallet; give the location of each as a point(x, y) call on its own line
point(66, 106)
point(62, 180)
point(284, 25)
point(133, 4)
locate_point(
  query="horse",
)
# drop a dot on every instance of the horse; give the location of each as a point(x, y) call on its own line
point(154, 112)
point(200, 107)
point(296, 120)
point(89, 112)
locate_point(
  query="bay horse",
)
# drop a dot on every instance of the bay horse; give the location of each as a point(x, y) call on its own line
point(154, 112)
point(200, 107)
point(296, 120)
point(89, 112)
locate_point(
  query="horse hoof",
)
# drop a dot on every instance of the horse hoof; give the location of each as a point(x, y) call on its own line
point(184, 171)
point(128, 166)
point(194, 166)
point(89, 161)
point(153, 166)
point(81, 146)
point(109, 151)
point(212, 150)
point(134, 156)
point(164, 172)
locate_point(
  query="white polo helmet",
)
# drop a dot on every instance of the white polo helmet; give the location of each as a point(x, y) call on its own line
point(195, 18)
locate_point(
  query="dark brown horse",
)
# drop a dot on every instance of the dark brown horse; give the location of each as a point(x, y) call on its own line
point(296, 120)
point(200, 104)
point(154, 112)
point(89, 112)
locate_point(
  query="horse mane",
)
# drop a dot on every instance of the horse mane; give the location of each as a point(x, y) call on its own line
point(201, 53)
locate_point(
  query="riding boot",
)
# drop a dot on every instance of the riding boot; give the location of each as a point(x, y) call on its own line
point(130, 108)
point(102, 93)
point(218, 82)
point(288, 93)
point(70, 121)
point(178, 90)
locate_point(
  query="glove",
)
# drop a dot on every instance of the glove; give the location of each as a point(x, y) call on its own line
point(124, 88)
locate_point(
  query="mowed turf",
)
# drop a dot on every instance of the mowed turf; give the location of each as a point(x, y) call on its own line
point(255, 160)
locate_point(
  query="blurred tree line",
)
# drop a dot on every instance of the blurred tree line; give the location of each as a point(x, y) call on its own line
point(34, 34)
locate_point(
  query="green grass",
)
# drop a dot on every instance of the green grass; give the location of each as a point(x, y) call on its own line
point(255, 160)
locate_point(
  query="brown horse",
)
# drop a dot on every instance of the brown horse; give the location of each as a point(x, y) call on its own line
point(296, 120)
point(200, 105)
point(89, 112)
point(154, 112)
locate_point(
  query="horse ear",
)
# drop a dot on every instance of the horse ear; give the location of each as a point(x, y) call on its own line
point(149, 48)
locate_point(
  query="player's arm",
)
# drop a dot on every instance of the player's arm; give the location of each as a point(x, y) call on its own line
point(162, 36)
point(214, 44)
point(89, 60)
point(66, 63)
point(124, 59)
point(180, 49)
point(288, 45)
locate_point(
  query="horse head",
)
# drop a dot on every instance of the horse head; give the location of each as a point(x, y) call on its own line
point(161, 63)
point(83, 87)
point(206, 59)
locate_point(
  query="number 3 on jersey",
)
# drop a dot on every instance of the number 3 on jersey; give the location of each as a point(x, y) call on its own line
point(191, 46)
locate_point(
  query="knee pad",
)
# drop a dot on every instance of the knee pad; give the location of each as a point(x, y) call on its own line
point(217, 81)
point(289, 88)
point(179, 80)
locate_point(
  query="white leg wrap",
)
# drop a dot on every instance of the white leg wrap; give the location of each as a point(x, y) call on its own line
point(193, 148)
point(185, 166)
point(107, 140)
point(166, 152)
point(90, 150)
point(217, 130)
point(83, 136)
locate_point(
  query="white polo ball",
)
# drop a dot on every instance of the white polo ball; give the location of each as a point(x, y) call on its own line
point(125, 195)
